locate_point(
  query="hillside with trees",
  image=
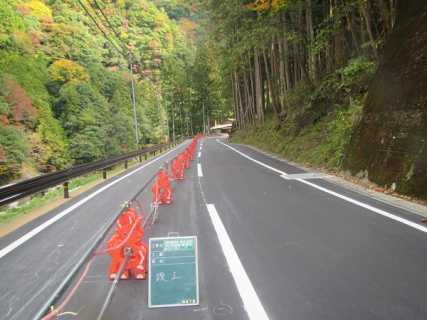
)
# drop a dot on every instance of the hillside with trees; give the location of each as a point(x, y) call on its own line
point(300, 74)
point(295, 75)
point(65, 81)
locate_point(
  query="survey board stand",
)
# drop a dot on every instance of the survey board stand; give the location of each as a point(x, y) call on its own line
point(173, 272)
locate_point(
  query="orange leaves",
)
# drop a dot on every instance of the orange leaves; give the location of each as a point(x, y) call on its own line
point(188, 27)
point(67, 71)
point(21, 106)
point(155, 45)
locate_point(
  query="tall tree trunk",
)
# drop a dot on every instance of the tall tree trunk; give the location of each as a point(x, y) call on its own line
point(362, 35)
point(350, 25)
point(286, 52)
point(368, 20)
point(330, 59)
point(275, 72)
point(240, 102)
point(236, 108)
point(282, 88)
point(312, 62)
point(252, 93)
point(296, 59)
point(385, 15)
point(271, 89)
point(340, 58)
point(259, 88)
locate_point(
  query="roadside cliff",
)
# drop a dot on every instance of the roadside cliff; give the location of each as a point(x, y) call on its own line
point(388, 146)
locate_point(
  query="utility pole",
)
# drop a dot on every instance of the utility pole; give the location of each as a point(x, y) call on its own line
point(204, 125)
point(186, 121)
point(173, 118)
point(180, 115)
point(207, 111)
point(167, 114)
point(134, 102)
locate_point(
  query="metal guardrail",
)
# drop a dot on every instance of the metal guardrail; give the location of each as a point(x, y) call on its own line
point(15, 191)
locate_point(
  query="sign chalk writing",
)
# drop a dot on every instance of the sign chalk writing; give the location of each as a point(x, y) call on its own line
point(173, 272)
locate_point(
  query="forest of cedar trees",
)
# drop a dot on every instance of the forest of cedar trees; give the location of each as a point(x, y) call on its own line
point(293, 70)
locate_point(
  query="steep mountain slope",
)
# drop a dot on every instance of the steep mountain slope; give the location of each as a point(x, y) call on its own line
point(389, 144)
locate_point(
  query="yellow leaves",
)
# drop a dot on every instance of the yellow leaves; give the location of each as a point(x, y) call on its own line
point(124, 35)
point(67, 71)
point(39, 9)
point(263, 5)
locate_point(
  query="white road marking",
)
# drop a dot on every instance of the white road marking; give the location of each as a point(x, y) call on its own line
point(200, 154)
point(199, 170)
point(247, 292)
point(252, 159)
point(250, 299)
point(358, 203)
point(43, 226)
point(367, 206)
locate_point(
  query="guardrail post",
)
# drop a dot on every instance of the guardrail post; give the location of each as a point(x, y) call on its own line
point(66, 191)
point(104, 173)
point(140, 158)
point(146, 156)
point(126, 164)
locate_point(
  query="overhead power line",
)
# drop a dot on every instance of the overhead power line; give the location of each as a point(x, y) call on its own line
point(111, 26)
point(103, 32)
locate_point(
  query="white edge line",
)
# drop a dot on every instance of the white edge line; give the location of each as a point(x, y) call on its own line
point(367, 206)
point(199, 170)
point(361, 204)
point(43, 226)
point(247, 292)
point(75, 188)
point(252, 159)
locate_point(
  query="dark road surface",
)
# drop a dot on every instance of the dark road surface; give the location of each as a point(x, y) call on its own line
point(274, 242)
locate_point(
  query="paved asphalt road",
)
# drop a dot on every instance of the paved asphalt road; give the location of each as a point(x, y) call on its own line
point(274, 243)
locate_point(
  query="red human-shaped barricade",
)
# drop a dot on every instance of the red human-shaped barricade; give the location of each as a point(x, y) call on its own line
point(177, 168)
point(138, 260)
point(191, 149)
point(186, 159)
point(161, 189)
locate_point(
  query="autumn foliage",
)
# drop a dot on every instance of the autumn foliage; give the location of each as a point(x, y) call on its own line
point(67, 71)
point(263, 5)
point(22, 109)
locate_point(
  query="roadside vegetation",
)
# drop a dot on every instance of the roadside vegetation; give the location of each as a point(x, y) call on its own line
point(303, 135)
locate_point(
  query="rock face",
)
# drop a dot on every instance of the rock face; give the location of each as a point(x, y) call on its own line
point(389, 143)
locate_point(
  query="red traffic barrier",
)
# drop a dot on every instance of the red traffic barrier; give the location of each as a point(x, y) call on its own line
point(161, 189)
point(128, 234)
point(186, 159)
point(177, 168)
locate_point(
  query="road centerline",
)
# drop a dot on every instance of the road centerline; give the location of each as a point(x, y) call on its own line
point(250, 298)
point(251, 302)
point(199, 170)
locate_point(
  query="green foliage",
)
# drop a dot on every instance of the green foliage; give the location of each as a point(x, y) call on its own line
point(10, 19)
point(122, 97)
point(68, 98)
point(13, 152)
point(317, 127)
